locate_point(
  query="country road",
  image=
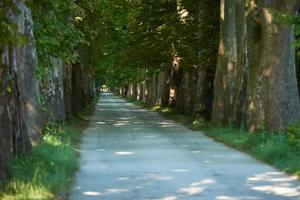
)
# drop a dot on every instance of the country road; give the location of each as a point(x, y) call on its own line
point(128, 153)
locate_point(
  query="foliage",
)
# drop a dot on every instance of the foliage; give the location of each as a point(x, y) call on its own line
point(144, 36)
point(48, 170)
point(9, 33)
point(293, 134)
point(55, 31)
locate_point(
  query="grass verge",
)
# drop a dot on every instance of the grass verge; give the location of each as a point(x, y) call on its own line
point(272, 148)
point(48, 171)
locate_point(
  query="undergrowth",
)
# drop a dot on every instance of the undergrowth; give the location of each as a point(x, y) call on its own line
point(48, 170)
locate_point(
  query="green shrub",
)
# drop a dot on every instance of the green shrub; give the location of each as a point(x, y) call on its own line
point(293, 134)
point(48, 170)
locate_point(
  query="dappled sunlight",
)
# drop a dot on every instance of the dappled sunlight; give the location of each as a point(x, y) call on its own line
point(150, 136)
point(122, 178)
point(222, 10)
point(190, 191)
point(102, 123)
point(180, 170)
point(100, 150)
point(252, 106)
point(159, 177)
point(203, 182)
point(230, 66)
point(278, 190)
point(108, 192)
point(208, 161)
point(120, 123)
point(276, 183)
point(121, 110)
point(267, 71)
point(197, 187)
point(167, 125)
point(89, 150)
point(91, 193)
point(196, 151)
point(165, 198)
point(127, 118)
point(272, 177)
point(139, 187)
point(268, 15)
point(226, 198)
point(116, 190)
point(124, 153)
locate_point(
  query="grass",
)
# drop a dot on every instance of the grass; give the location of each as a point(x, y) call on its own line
point(275, 149)
point(48, 171)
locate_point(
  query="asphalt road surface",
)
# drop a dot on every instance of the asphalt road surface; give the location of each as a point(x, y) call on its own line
point(128, 153)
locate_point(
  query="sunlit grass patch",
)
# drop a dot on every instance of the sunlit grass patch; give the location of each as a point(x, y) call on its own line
point(155, 109)
point(48, 170)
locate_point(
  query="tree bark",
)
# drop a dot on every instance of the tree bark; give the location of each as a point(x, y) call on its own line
point(255, 85)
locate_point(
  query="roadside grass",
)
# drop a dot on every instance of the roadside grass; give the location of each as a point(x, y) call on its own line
point(47, 172)
point(276, 149)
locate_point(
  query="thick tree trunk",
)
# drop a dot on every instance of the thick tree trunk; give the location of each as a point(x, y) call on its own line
point(254, 104)
point(130, 91)
point(141, 91)
point(255, 83)
point(208, 28)
point(149, 85)
point(83, 84)
point(67, 86)
point(163, 89)
point(179, 100)
point(135, 91)
point(154, 96)
point(27, 64)
point(176, 85)
point(19, 110)
point(188, 95)
point(52, 88)
point(281, 99)
point(14, 136)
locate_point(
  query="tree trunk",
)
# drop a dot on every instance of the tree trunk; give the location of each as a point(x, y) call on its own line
point(208, 28)
point(19, 109)
point(187, 87)
point(83, 83)
point(67, 86)
point(255, 83)
point(52, 88)
point(163, 89)
point(281, 99)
